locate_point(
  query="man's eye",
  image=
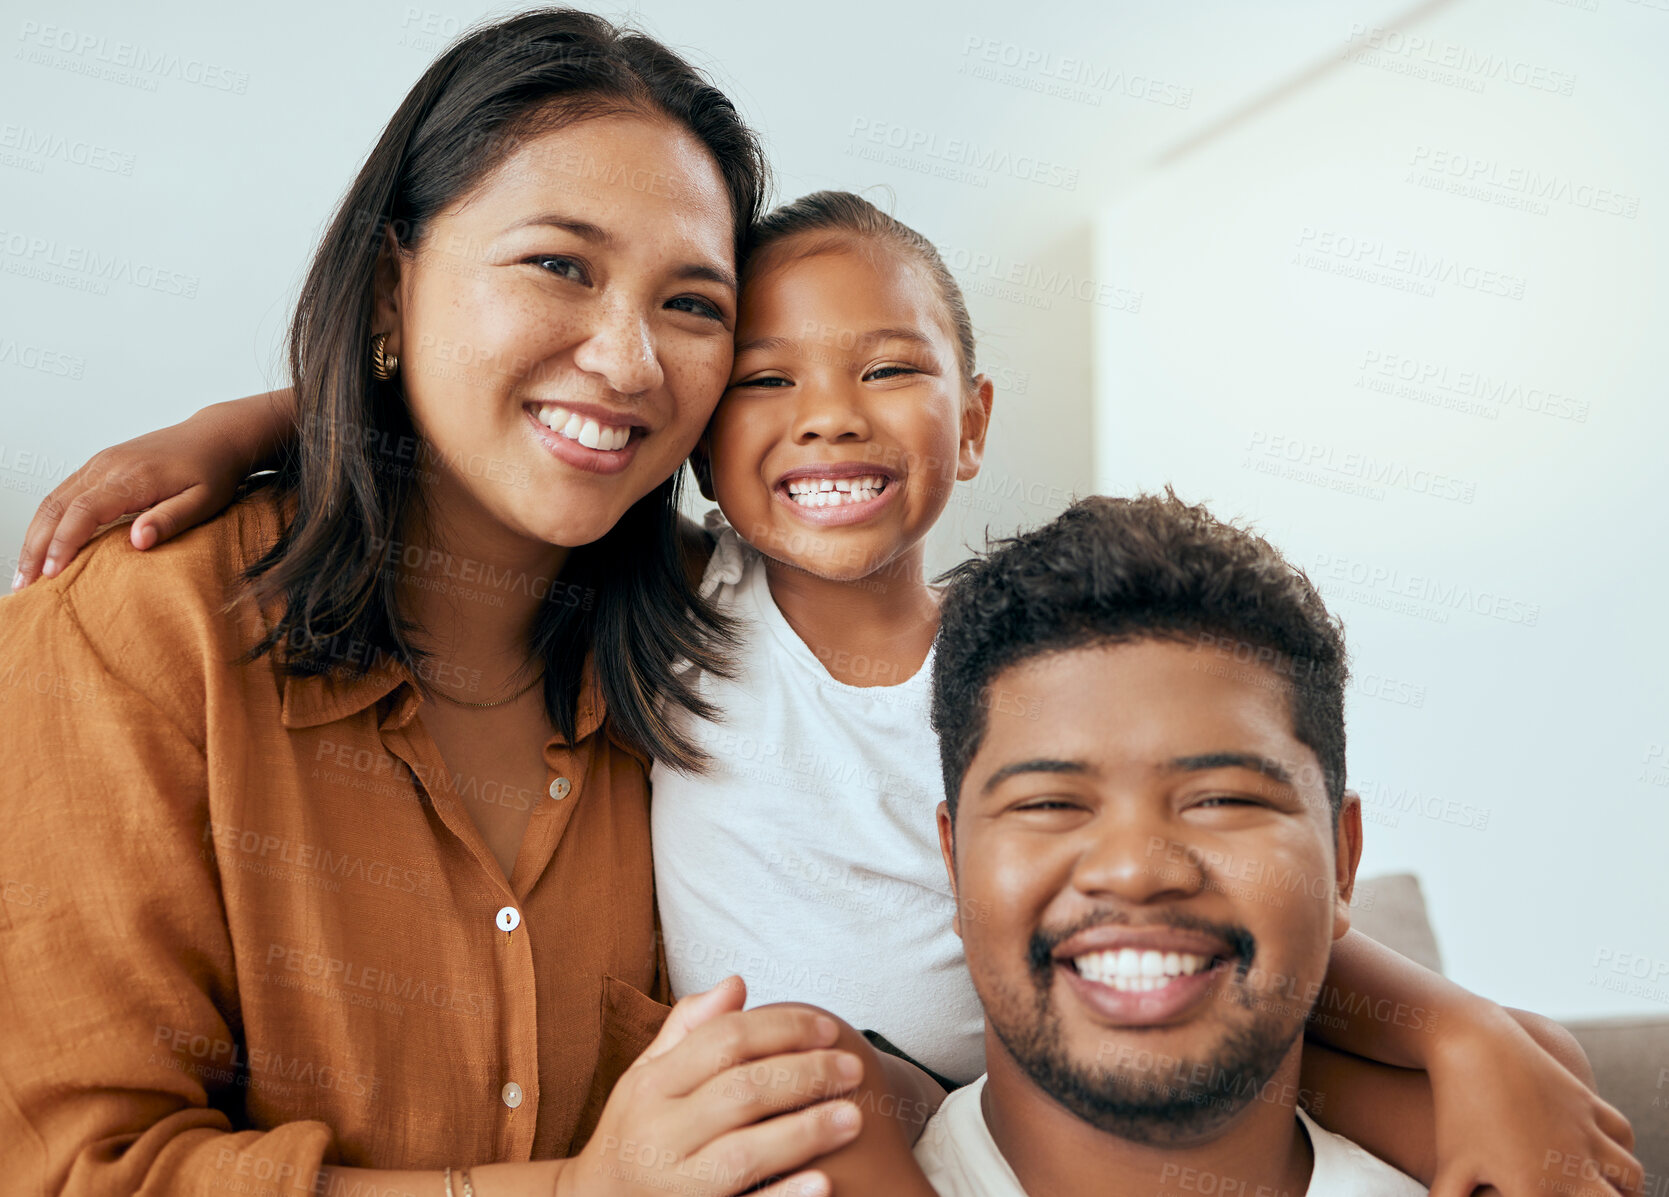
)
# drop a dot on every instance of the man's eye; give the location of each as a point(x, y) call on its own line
point(881, 372)
point(568, 268)
point(1047, 804)
point(1227, 800)
point(697, 306)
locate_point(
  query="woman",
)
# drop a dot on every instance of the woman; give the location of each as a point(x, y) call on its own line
point(350, 872)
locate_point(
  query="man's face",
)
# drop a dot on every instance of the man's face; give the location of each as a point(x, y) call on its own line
point(1158, 878)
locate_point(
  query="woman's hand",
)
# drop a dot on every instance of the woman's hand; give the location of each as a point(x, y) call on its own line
point(1511, 1115)
point(174, 478)
point(722, 1100)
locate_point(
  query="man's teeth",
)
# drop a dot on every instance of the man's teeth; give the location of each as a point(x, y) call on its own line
point(833, 492)
point(583, 429)
point(1135, 972)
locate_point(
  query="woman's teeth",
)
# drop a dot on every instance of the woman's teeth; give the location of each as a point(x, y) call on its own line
point(834, 492)
point(583, 429)
point(1135, 972)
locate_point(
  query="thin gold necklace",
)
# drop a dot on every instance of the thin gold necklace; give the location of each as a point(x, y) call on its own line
point(495, 703)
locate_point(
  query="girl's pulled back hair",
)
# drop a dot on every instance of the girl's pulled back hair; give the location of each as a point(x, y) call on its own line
point(331, 576)
point(843, 216)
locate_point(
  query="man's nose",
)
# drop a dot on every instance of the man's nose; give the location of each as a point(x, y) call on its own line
point(1135, 856)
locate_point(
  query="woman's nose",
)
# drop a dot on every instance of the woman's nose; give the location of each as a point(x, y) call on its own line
point(621, 351)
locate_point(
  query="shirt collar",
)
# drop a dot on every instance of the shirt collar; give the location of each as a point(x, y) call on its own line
point(325, 698)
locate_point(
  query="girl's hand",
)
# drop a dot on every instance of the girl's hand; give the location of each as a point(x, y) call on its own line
point(174, 478)
point(722, 1100)
point(1510, 1115)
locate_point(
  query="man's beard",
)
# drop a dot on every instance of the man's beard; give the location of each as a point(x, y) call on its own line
point(1168, 1103)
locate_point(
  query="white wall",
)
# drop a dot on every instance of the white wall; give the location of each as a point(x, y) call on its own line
point(1005, 131)
point(1413, 327)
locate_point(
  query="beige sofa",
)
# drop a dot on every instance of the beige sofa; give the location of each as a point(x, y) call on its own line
point(1630, 1055)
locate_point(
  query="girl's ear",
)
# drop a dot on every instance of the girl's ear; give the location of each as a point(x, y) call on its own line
point(976, 422)
point(701, 465)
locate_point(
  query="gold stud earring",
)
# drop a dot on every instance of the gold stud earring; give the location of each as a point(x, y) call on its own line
point(383, 363)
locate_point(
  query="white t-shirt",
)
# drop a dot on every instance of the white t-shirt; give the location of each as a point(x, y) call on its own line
point(961, 1159)
point(807, 858)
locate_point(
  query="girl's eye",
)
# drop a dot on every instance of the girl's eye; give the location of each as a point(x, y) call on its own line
point(697, 306)
point(881, 372)
point(771, 381)
point(568, 268)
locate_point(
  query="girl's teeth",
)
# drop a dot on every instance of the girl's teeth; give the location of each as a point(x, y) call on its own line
point(586, 431)
point(835, 492)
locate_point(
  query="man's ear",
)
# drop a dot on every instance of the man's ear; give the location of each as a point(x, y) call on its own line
point(976, 422)
point(1347, 854)
point(947, 849)
point(701, 465)
point(385, 291)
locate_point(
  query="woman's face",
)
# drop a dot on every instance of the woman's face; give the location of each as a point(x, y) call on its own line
point(564, 330)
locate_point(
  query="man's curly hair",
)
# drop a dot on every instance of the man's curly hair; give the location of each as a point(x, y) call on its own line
point(1112, 571)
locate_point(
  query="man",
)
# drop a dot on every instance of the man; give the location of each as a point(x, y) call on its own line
point(1107, 764)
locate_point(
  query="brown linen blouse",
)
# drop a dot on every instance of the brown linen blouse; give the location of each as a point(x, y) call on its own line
point(246, 925)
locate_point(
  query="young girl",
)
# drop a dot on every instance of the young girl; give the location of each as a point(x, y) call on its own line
point(805, 857)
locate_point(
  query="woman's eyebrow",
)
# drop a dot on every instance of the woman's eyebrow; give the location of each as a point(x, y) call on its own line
point(583, 229)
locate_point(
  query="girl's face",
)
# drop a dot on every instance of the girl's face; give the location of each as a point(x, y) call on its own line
point(846, 423)
point(565, 329)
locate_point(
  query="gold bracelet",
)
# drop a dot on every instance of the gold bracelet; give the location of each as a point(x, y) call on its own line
point(469, 1189)
point(449, 1192)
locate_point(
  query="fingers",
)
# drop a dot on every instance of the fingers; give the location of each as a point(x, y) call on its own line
point(761, 1089)
point(693, 1011)
point(67, 518)
point(779, 1146)
point(172, 516)
point(801, 1184)
point(739, 1037)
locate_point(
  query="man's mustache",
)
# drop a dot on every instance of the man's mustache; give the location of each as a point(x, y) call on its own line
point(1040, 950)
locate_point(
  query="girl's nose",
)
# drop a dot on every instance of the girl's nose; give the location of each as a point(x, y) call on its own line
point(829, 412)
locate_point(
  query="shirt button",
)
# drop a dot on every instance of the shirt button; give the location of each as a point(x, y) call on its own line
point(560, 788)
point(509, 918)
point(512, 1094)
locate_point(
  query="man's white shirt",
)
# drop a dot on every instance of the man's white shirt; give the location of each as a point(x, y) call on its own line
point(961, 1159)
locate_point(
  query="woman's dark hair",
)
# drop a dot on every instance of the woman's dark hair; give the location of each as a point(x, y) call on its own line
point(842, 218)
point(351, 474)
point(1111, 571)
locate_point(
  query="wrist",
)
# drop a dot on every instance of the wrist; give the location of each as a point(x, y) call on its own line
point(1467, 1028)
